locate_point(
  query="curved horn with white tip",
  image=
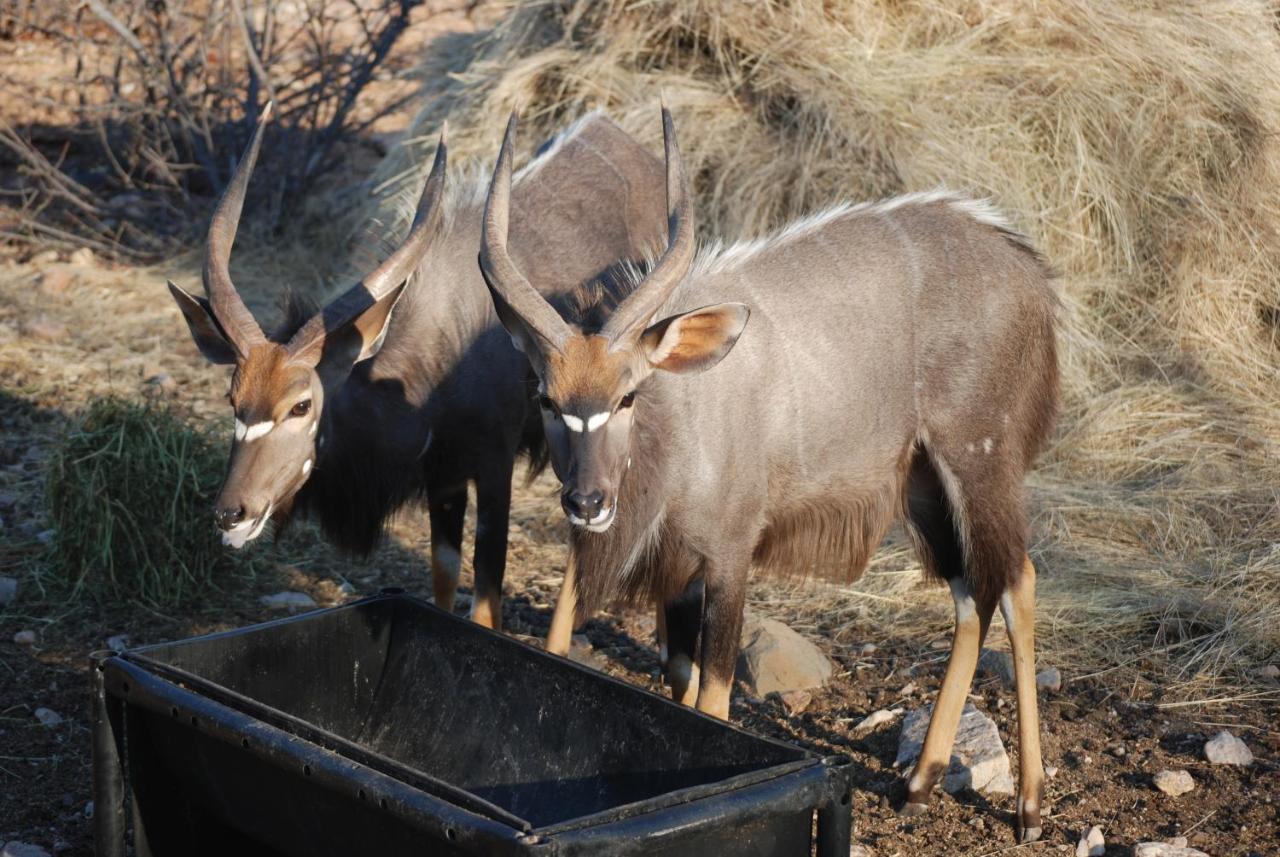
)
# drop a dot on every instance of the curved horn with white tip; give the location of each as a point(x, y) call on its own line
point(228, 308)
point(392, 272)
point(500, 272)
point(634, 313)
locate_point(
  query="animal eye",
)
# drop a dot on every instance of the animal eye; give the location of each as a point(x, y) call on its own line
point(546, 404)
point(301, 409)
point(627, 401)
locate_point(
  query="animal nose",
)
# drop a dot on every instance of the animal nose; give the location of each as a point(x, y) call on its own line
point(228, 518)
point(583, 506)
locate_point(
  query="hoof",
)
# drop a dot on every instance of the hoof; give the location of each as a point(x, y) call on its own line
point(910, 810)
point(1029, 834)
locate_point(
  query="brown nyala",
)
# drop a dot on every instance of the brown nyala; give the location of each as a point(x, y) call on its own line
point(898, 362)
point(405, 388)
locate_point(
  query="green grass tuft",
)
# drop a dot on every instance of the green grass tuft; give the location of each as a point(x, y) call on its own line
point(130, 488)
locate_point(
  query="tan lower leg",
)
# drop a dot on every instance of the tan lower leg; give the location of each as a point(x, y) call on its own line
point(936, 753)
point(446, 564)
point(1019, 608)
point(682, 675)
point(713, 698)
point(561, 635)
point(486, 610)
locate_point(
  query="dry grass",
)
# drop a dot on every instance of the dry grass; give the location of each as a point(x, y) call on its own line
point(1135, 141)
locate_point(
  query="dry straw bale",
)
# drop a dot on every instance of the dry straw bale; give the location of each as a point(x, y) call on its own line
point(1134, 141)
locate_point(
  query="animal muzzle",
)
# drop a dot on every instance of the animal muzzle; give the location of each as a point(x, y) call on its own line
point(238, 526)
point(593, 510)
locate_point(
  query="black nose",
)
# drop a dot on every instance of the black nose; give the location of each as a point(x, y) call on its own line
point(584, 506)
point(228, 518)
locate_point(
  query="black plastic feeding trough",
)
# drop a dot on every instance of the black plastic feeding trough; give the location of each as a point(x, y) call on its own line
point(388, 727)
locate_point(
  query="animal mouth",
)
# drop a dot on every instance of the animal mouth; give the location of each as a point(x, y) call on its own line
point(599, 523)
point(246, 531)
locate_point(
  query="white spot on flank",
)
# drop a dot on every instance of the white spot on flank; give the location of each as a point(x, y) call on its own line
point(306, 467)
point(987, 445)
point(572, 423)
point(596, 420)
point(257, 430)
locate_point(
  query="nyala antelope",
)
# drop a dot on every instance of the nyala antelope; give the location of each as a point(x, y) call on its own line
point(900, 362)
point(358, 410)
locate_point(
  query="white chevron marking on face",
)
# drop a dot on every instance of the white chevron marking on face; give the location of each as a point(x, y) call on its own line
point(596, 420)
point(572, 423)
point(257, 430)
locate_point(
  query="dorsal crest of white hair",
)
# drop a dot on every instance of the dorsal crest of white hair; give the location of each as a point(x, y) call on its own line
point(717, 257)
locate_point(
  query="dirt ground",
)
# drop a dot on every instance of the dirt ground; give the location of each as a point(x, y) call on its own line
point(112, 329)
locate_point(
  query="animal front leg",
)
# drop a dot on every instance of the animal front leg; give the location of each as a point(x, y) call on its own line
point(493, 509)
point(446, 514)
point(560, 638)
point(721, 636)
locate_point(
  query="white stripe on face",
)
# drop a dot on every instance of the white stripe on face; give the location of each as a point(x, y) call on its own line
point(595, 421)
point(257, 430)
point(306, 467)
point(572, 423)
point(241, 428)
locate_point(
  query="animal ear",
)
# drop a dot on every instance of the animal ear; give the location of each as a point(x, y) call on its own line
point(694, 341)
point(205, 330)
point(360, 338)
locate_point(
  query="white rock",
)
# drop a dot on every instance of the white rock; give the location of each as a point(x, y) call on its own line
point(856, 850)
point(775, 659)
point(1050, 679)
point(8, 590)
point(978, 759)
point(1269, 672)
point(22, 849)
point(1226, 749)
point(288, 601)
point(796, 701)
point(118, 643)
point(48, 717)
point(81, 256)
point(1164, 849)
point(997, 665)
point(876, 719)
point(25, 638)
point(869, 649)
point(1091, 843)
point(1174, 783)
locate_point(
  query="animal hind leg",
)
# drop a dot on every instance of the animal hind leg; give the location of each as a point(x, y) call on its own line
point(446, 515)
point(682, 619)
point(933, 524)
point(1018, 606)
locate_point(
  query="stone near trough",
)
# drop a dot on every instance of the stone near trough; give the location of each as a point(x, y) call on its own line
point(978, 759)
point(1092, 843)
point(1164, 849)
point(796, 701)
point(1174, 783)
point(1226, 749)
point(118, 643)
point(82, 256)
point(8, 590)
point(775, 659)
point(25, 638)
point(288, 601)
point(1050, 680)
point(995, 664)
point(877, 718)
point(22, 849)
